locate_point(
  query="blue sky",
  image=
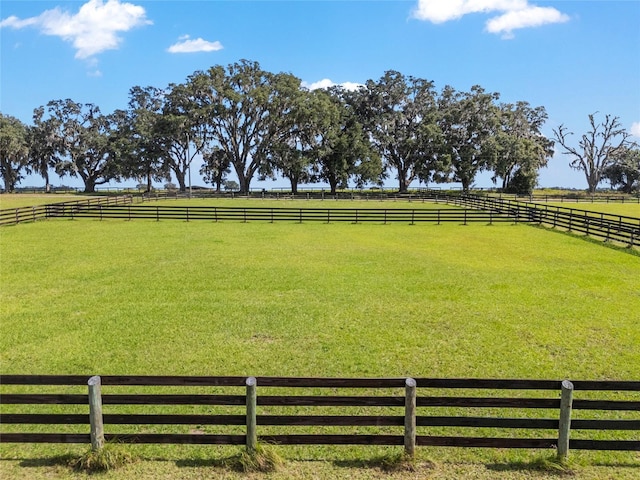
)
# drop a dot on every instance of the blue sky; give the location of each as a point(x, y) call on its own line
point(572, 57)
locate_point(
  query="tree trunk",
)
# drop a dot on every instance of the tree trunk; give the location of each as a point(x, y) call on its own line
point(294, 184)
point(333, 184)
point(244, 183)
point(465, 184)
point(47, 185)
point(180, 178)
point(402, 178)
point(89, 185)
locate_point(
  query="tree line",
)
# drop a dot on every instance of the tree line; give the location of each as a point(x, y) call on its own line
point(260, 125)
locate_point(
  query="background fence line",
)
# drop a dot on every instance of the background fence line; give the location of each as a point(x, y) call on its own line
point(473, 208)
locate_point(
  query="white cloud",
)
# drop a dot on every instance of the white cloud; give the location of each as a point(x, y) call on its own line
point(440, 11)
point(15, 22)
point(527, 17)
point(92, 30)
point(635, 129)
point(186, 45)
point(515, 14)
point(326, 83)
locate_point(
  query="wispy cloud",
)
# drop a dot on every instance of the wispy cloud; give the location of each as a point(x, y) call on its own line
point(635, 129)
point(186, 45)
point(514, 14)
point(326, 83)
point(92, 30)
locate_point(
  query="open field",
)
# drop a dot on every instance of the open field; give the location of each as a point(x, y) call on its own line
point(18, 200)
point(503, 301)
point(626, 209)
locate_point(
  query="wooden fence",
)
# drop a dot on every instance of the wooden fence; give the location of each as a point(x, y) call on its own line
point(414, 401)
point(474, 208)
point(604, 226)
point(300, 215)
point(13, 216)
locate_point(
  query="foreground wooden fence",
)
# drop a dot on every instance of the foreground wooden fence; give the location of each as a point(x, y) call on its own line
point(414, 401)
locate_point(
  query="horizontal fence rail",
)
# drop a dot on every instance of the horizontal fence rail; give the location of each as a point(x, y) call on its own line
point(401, 411)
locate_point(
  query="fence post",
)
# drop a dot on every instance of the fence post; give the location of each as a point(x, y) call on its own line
point(410, 417)
point(95, 413)
point(566, 401)
point(252, 437)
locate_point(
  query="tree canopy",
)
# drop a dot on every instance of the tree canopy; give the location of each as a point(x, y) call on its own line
point(256, 123)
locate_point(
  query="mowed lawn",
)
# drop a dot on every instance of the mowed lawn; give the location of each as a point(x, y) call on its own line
point(19, 200)
point(116, 297)
point(285, 299)
point(629, 209)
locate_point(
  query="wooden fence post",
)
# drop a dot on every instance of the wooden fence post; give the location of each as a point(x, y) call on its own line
point(95, 413)
point(252, 436)
point(410, 417)
point(566, 401)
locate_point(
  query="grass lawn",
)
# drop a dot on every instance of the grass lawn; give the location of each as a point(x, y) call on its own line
point(626, 209)
point(501, 301)
point(18, 200)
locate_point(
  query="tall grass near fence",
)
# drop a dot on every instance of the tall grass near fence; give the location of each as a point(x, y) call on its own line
point(501, 301)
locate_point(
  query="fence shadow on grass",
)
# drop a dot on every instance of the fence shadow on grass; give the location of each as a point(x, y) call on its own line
point(63, 460)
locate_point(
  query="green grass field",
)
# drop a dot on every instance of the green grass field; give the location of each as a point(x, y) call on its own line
point(13, 200)
point(626, 209)
point(144, 297)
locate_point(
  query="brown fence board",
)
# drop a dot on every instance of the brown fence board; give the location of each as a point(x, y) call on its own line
point(486, 422)
point(175, 438)
point(486, 442)
point(624, 445)
point(493, 384)
point(140, 399)
point(331, 420)
point(44, 379)
point(488, 402)
point(333, 439)
point(43, 399)
point(330, 401)
point(606, 405)
point(45, 438)
point(605, 424)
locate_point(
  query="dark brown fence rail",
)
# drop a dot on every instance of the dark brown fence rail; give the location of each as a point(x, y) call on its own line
point(400, 411)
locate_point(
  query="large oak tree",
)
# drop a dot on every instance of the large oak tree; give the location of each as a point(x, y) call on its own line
point(247, 111)
point(400, 114)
